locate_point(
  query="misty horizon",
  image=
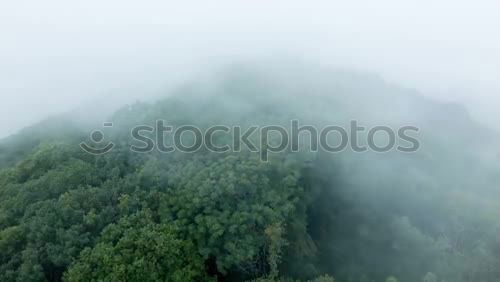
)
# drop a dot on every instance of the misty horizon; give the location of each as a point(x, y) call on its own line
point(447, 51)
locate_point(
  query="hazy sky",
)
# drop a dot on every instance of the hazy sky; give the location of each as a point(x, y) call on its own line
point(57, 55)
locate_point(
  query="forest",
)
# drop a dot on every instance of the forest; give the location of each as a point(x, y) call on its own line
point(426, 216)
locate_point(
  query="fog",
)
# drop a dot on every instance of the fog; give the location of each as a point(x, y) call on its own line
point(57, 56)
point(100, 187)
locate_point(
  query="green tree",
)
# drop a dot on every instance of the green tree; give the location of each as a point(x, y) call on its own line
point(137, 249)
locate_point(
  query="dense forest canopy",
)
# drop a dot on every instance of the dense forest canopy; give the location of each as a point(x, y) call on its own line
point(431, 215)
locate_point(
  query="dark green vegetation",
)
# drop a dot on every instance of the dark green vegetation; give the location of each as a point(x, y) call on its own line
point(427, 216)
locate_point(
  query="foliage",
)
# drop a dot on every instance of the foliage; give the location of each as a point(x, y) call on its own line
point(137, 249)
point(428, 216)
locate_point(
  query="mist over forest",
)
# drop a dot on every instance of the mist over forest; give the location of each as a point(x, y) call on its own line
point(429, 215)
point(97, 183)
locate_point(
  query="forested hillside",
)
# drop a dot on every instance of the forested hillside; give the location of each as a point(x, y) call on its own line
point(430, 215)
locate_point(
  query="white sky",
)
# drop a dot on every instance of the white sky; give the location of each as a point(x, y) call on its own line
point(57, 55)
